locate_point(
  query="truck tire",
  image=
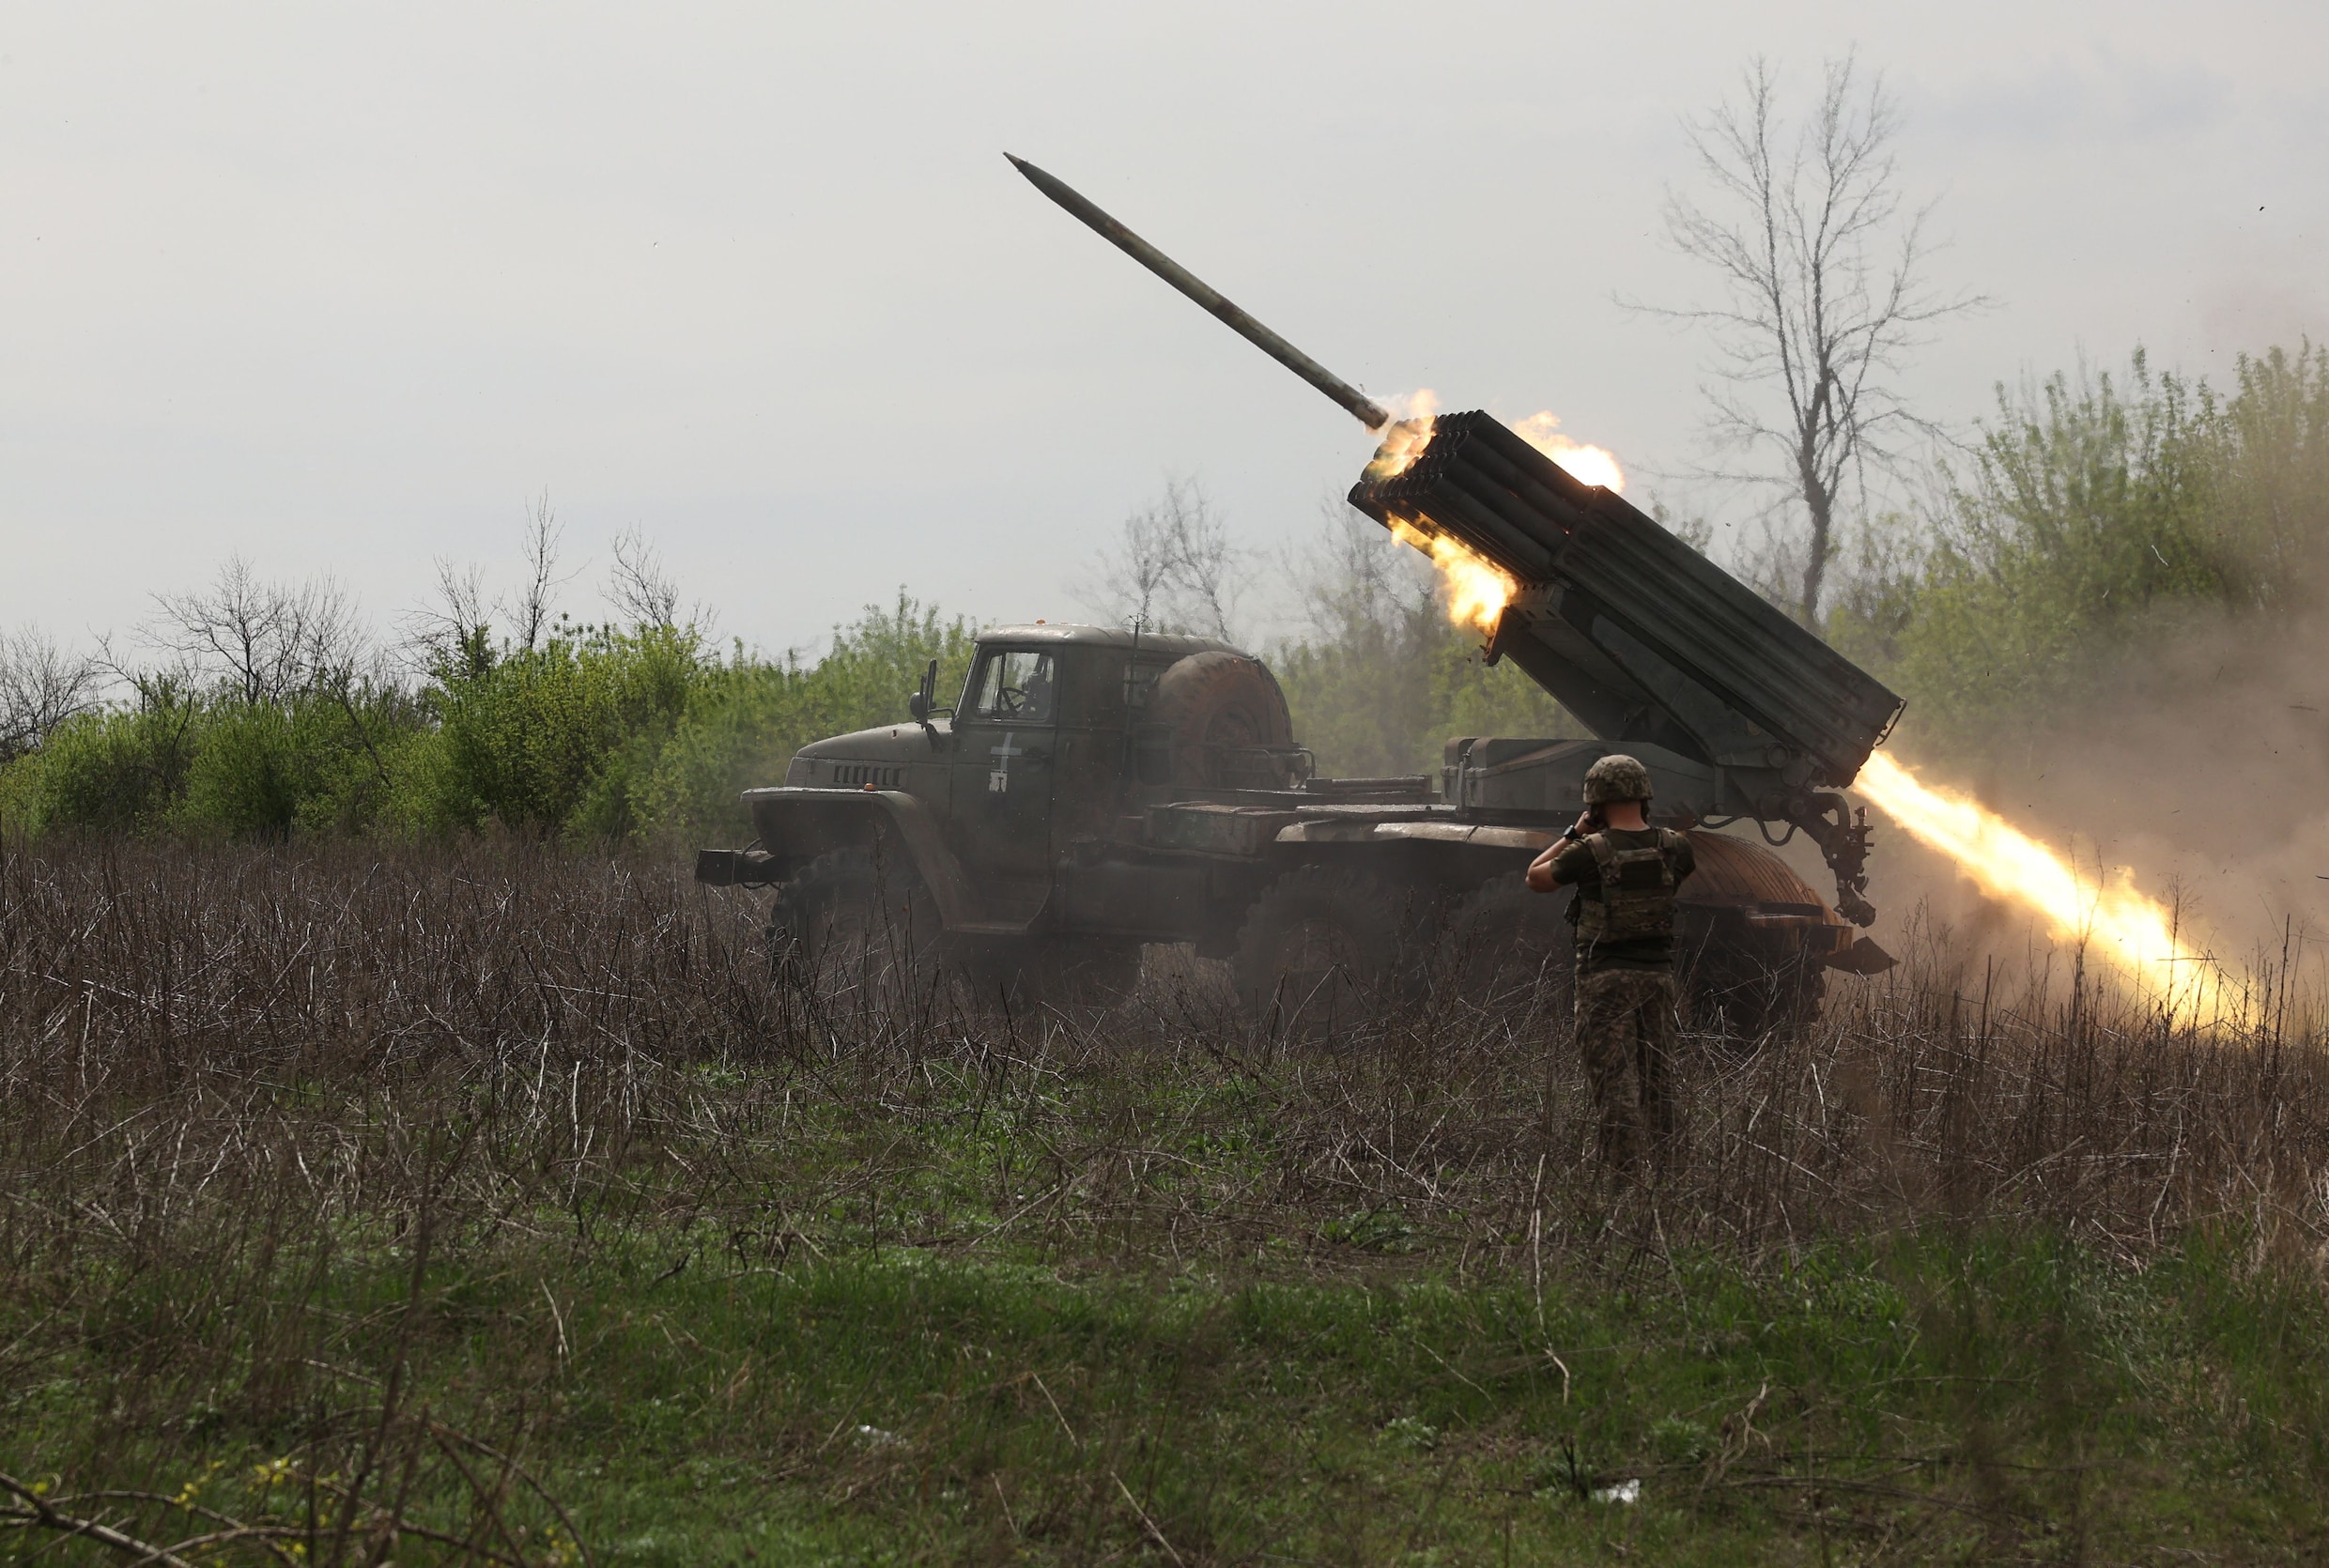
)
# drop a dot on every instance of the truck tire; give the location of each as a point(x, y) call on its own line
point(1742, 976)
point(1223, 722)
point(1320, 949)
point(1506, 943)
point(1746, 995)
point(853, 918)
point(1059, 971)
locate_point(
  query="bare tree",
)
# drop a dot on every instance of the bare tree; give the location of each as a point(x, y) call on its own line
point(263, 640)
point(42, 686)
point(1172, 567)
point(455, 631)
point(1825, 279)
point(1352, 587)
point(535, 600)
point(637, 584)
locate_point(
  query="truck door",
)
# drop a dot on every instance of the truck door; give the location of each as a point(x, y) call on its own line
point(1005, 742)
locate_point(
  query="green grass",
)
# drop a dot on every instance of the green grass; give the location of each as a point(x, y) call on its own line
point(700, 1389)
point(477, 1209)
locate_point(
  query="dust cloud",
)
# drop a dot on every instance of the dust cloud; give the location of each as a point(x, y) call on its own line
point(2200, 762)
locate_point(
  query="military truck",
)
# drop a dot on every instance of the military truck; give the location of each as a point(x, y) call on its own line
point(1096, 790)
point(1093, 790)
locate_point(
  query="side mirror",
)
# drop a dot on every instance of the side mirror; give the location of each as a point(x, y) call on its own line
point(924, 701)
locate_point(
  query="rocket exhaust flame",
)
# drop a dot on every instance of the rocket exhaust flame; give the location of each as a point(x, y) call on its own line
point(1415, 414)
point(1594, 465)
point(1475, 592)
point(2136, 935)
point(1404, 440)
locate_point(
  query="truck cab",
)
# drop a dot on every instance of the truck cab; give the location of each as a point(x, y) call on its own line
point(1039, 758)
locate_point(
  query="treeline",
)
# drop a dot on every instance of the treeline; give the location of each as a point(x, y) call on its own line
point(261, 712)
point(2102, 528)
point(592, 733)
point(610, 732)
point(2096, 521)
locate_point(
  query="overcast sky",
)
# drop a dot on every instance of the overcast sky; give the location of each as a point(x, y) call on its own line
point(339, 288)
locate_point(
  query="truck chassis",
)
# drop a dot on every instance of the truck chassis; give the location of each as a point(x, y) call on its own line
point(1151, 792)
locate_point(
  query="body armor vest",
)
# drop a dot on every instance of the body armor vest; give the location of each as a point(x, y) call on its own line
point(1637, 894)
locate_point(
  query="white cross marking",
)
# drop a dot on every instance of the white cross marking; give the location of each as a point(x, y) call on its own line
point(998, 778)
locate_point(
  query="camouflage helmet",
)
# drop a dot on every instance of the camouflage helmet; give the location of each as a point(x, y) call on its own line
point(1614, 777)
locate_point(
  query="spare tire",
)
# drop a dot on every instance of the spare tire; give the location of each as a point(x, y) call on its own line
point(1218, 721)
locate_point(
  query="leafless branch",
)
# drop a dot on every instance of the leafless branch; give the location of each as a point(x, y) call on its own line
point(262, 640)
point(42, 686)
point(455, 630)
point(50, 1518)
point(1172, 567)
point(637, 584)
point(1825, 296)
point(535, 602)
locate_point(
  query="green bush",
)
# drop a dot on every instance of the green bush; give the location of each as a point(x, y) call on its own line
point(746, 719)
point(536, 739)
point(322, 762)
point(2098, 517)
point(120, 771)
point(596, 735)
point(318, 762)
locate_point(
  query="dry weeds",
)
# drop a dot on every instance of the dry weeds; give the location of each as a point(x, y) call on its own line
point(221, 1062)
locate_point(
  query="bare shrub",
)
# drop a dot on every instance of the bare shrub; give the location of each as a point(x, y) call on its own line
point(170, 979)
point(42, 686)
point(1172, 567)
point(263, 641)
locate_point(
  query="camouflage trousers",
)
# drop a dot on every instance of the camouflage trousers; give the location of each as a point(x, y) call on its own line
point(1625, 1034)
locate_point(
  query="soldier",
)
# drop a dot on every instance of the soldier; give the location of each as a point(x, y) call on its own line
point(1625, 873)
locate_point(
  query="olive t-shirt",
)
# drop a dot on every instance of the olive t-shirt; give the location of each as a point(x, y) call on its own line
point(1575, 866)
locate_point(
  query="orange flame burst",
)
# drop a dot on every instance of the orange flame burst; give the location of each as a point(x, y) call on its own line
point(1474, 590)
point(2135, 934)
point(1592, 464)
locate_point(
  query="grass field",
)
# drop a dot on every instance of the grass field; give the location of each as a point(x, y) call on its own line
point(497, 1206)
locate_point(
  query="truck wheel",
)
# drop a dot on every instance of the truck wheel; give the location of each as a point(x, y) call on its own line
point(1225, 722)
point(1097, 972)
point(1743, 979)
point(1506, 943)
point(1748, 994)
point(853, 917)
point(1320, 950)
point(1061, 970)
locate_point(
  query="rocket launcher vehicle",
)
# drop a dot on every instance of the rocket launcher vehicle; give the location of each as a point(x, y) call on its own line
point(1742, 711)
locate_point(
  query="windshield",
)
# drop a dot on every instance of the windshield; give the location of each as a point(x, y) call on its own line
point(1014, 683)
